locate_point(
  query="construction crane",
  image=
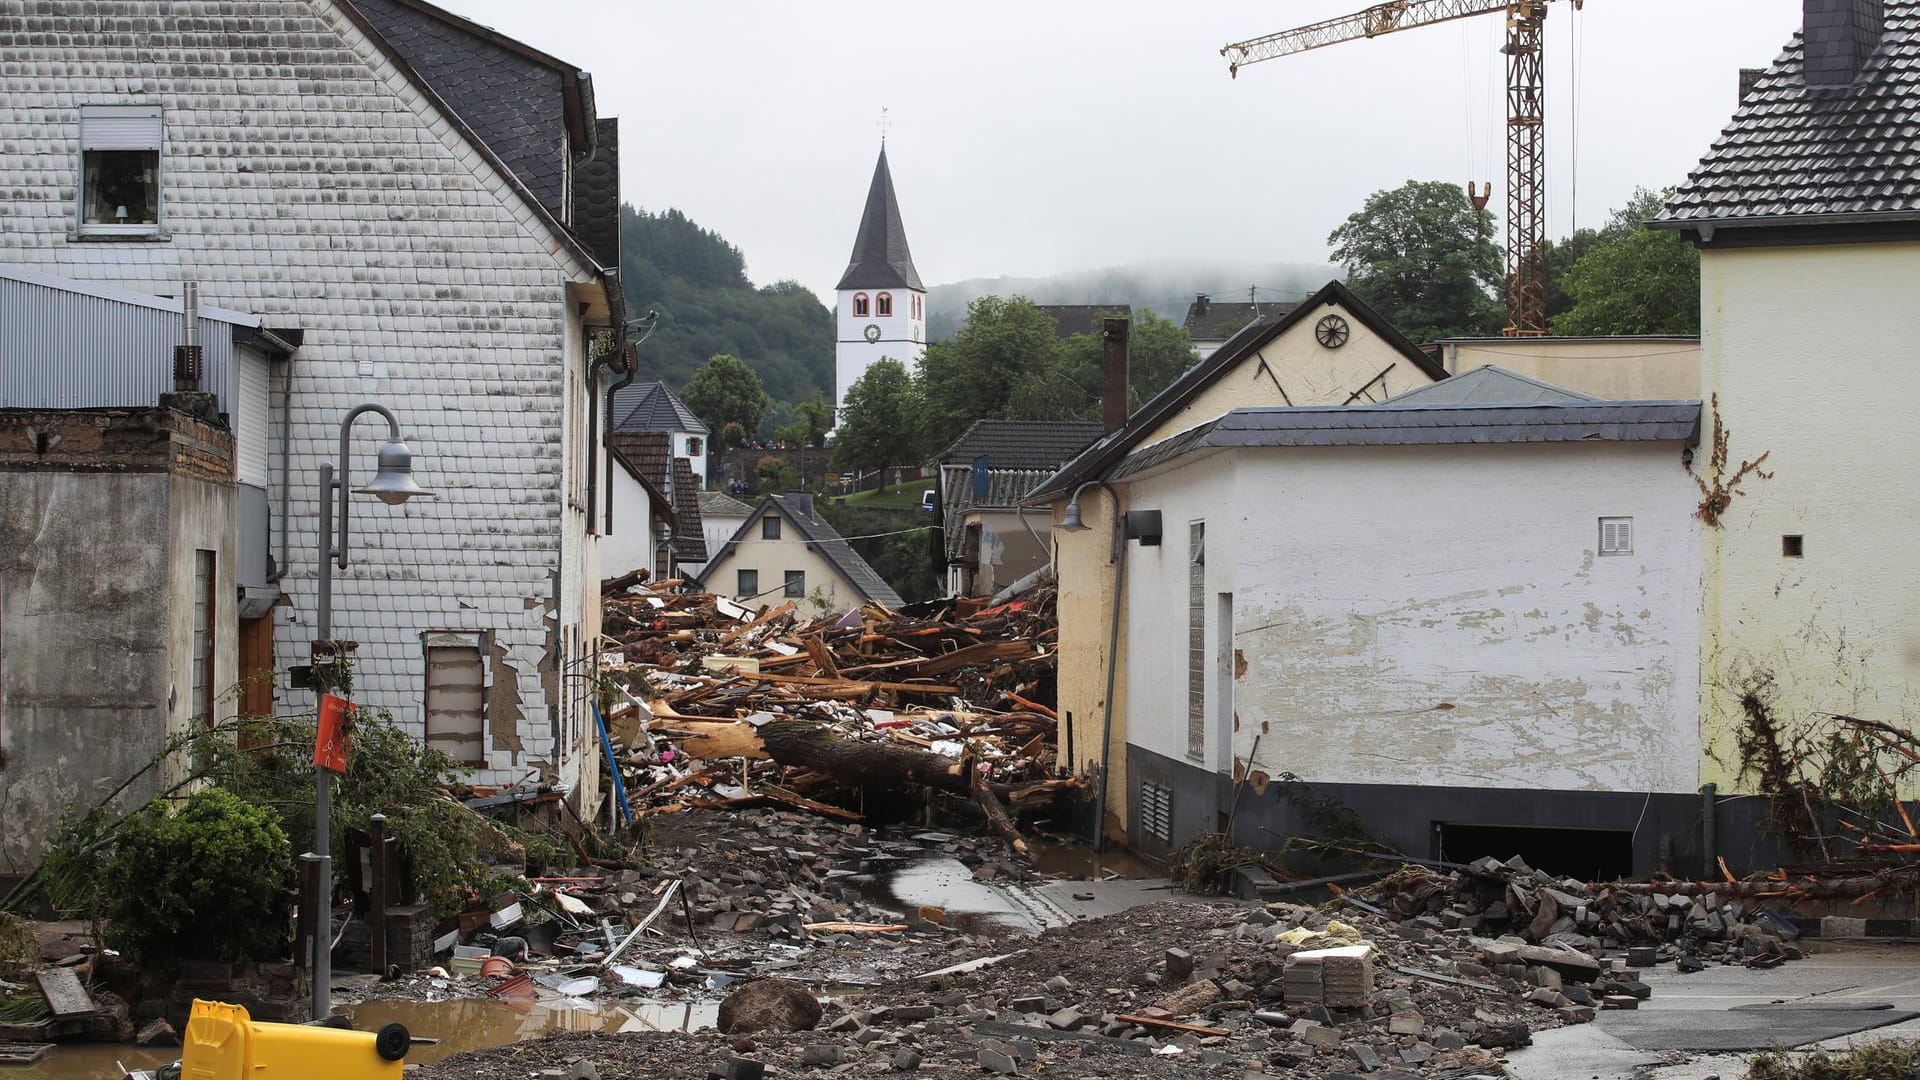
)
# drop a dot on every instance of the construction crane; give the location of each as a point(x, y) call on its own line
point(1526, 135)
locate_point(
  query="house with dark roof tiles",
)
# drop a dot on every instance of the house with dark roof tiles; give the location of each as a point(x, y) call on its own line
point(1806, 211)
point(786, 551)
point(991, 540)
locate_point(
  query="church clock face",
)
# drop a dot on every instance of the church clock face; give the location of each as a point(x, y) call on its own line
point(873, 332)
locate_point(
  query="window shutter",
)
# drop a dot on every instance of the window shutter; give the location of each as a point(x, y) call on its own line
point(120, 127)
point(1616, 536)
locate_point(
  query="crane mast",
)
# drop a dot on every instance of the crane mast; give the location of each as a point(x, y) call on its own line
point(1526, 120)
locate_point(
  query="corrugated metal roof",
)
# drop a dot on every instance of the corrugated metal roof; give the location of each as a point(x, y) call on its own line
point(1416, 425)
point(68, 344)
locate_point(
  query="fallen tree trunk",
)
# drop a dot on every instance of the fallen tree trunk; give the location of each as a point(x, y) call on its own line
point(806, 745)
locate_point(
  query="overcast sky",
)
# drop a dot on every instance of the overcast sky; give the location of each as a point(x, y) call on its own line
point(1047, 136)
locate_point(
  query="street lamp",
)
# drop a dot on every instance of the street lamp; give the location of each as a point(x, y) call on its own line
point(392, 484)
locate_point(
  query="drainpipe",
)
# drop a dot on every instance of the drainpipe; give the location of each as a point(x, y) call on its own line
point(1709, 832)
point(286, 465)
point(628, 350)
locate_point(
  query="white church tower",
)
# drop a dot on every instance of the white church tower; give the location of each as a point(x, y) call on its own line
point(883, 307)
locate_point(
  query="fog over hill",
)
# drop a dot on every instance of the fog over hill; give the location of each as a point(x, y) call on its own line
point(1163, 287)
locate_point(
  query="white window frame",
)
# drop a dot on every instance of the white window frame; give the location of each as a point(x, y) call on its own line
point(121, 127)
point(1621, 541)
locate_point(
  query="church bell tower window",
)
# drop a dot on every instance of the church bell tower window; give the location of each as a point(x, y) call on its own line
point(883, 305)
point(860, 304)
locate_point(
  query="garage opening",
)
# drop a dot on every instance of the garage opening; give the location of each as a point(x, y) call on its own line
point(1585, 854)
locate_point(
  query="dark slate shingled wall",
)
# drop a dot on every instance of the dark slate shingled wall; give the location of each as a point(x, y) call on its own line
point(596, 194)
point(512, 102)
point(1839, 35)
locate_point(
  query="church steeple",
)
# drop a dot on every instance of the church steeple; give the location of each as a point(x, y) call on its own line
point(880, 256)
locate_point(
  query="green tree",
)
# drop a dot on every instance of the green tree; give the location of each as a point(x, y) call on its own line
point(1634, 280)
point(776, 475)
point(816, 419)
point(725, 391)
point(878, 420)
point(1424, 257)
point(1008, 345)
point(1158, 352)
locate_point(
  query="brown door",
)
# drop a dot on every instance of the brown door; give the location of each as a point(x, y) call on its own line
point(256, 677)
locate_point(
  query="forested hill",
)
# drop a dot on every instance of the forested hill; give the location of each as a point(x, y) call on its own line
point(698, 283)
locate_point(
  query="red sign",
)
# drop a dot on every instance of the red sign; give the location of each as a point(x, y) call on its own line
point(331, 740)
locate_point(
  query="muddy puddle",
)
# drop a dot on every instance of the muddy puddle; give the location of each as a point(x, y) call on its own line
point(908, 881)
point(476, 1024)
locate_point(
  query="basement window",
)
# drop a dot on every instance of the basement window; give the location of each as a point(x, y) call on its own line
point(1583, 854)
point(1616, 536)
point(1793, 547)
point(120, 170)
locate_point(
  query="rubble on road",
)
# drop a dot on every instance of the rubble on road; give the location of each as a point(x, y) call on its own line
point(1657, 920)
point(722, 706)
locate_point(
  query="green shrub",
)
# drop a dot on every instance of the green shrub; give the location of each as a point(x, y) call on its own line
point(207, 882)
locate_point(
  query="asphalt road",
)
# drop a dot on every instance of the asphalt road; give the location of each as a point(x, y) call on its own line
point(1709, 1023)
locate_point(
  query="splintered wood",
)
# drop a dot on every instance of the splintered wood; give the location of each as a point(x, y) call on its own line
point(722, 706)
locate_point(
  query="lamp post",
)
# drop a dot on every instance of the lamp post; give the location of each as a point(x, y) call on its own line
point(392, 484)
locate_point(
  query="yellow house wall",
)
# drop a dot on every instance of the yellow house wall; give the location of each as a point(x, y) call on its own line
point(1812, 353)
point(1625, 370)
point(1310, 375)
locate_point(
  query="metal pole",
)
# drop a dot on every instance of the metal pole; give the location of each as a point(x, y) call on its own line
point(377, 891)
point(321, 900)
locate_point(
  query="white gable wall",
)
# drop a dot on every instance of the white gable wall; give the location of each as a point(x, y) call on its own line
point(1428, 615)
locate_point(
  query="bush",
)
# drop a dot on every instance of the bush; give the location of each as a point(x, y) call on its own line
point(208, 882)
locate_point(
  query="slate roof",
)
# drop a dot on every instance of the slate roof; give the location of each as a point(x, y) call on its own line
point(518, 99)
point(797, 512)
point(880, 256)
point(1792, 152)
point(1109, 450)
point(715, 504)
point(647, 452)
point(1211, 320)
point(596, 194)
point(1021, 444)
point(1071, 319)
point(1429, 425)
point(1489, 384)
point(650, 406)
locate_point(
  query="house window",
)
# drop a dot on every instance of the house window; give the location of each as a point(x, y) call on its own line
point(1197, 640)
point(883, 305)
point(693, 446)
point(120, 170)
point(748, 583)
point(796, 583)
point(204, 582)
point(1616, 536)
point(860, 304)
point(456, 705)
point(1793, 547)
point(769, 528)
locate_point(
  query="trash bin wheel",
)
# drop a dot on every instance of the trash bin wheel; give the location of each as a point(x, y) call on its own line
point(392, 1042)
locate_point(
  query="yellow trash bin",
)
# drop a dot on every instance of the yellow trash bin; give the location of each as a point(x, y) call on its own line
point(223, 1043)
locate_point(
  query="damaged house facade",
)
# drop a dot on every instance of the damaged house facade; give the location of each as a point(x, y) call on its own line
point(429, 210)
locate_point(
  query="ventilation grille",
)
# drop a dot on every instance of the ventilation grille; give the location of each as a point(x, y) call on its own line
point(1616, 536)
point(1156, 811)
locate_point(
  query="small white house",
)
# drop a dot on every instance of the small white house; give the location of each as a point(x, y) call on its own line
point(1451, 615)
point(786, 551)
point(651, 406)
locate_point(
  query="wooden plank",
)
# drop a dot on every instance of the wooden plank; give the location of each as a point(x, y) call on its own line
point(852, 685)
point(64, 994)
point(1148, 1021)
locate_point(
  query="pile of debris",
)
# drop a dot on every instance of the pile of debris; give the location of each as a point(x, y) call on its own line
point(717, 705)
point(1689, 922)
point(1173, 989)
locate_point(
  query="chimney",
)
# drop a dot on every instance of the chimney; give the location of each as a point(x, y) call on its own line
point(1750, 78)
point(1201, 302)
point(1113, 394)
point(801, 502)
point(187, 362)
point(1839, 36)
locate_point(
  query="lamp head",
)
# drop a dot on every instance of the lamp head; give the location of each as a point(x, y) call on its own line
point(1070, 521)
point(393, 483)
